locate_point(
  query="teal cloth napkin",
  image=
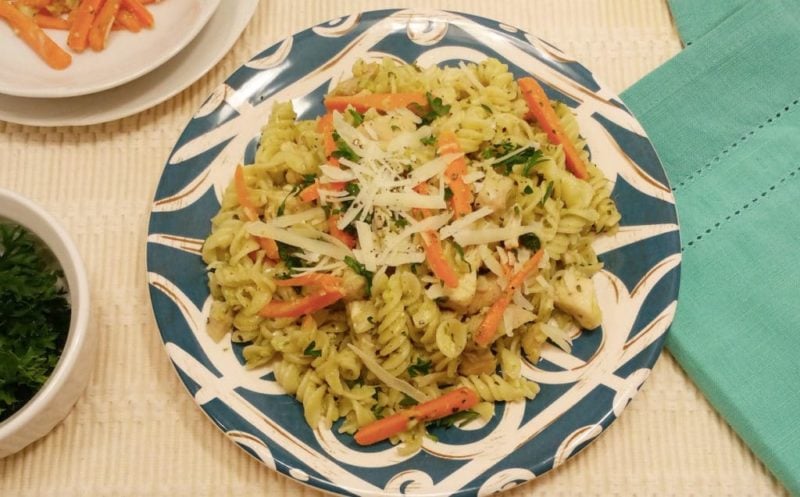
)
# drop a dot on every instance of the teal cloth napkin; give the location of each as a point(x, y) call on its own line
point(724, 117)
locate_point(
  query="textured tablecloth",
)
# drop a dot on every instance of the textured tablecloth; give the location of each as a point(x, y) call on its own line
point(136, 432)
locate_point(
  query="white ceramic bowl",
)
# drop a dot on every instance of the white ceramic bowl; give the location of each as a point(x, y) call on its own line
point(70, 376)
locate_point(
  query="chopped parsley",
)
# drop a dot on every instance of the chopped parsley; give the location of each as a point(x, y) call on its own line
point(487, 108)
point(527, 190)
point(407, 401)
point(530, 241)
point(528, 157)
point(400, 221)
point(460, 252)
point(311, 351)
point(378, 411)
point(448, 193)
point(419, 368)
point(308, 180)
point(547, 193)
point(34, 317)
point(359, 269)
point(436, 106)
point(343, 150)
point(287, 255)
point(358, 117)
point(428, 140)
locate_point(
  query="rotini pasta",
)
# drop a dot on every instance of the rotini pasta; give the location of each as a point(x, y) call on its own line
point(423, 238)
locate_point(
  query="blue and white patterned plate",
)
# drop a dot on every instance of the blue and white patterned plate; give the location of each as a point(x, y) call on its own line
point(582, 392)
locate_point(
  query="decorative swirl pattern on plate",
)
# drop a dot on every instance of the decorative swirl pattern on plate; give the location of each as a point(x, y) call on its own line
point(582, 391)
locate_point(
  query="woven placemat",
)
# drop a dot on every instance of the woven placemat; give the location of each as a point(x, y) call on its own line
point(137, 433)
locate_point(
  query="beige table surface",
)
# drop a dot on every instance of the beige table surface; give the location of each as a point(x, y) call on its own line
point(136, 432)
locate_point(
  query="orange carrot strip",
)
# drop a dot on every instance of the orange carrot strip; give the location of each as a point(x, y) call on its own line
point(491, 321)
point(324, 280)
point(45, 21)
point(324, 126)
point(378, 101)
point(78, 38)
point(98, 35)
point(34, 3)
point(342, 235)
point(453, 175)
point(433, 249)
point(458, 400)
point(140, 11)
point(269, 246)
point(541, 109)
point(26, 28)
point(129, 21)
point(304, 305)
point(438, 264)
point(250, 209)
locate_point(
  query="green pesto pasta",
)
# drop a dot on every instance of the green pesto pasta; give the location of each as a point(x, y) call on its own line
point(343, 259)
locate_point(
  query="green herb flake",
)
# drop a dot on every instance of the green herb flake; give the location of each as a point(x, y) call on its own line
point(428, 140)
point(400, 221)
point(460, 252)
point(530, 241)
point(358, 117)
point(311, 351)
point(343, 150)
point(547, 193)
point(419, 368)
point(487, 108)
point(287, 255)
point(294, 191)
point(407, 401)
point(527, 190)
point(377, 411)
point(448, 193)
point(436, 108)
point(34, 317)
point(359, 269)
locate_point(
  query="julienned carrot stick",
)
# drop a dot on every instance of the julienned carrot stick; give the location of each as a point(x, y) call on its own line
point(436, 260)
point(270, 247)
point(85, 13)
point(453, 175)
point(434, 254)
point(458, 400)
point(491, 321)
point(324, 126)
point(378, 101)
point(541, 109)
point(243, 195)
point(34, 3)
point(101, 25)
point(302, 306)
point(129, 21)
point(341, 235)
point(140, 11)
point(26, 28)
point(45, 21)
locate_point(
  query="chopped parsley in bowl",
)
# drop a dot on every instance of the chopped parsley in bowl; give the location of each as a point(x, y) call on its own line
point(46, 343)
point(34, 316)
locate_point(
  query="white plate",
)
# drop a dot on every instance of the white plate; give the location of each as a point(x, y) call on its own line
point(126, 57)
point(196, 59)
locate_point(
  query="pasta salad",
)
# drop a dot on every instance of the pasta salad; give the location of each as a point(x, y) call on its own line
point(398, 260)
